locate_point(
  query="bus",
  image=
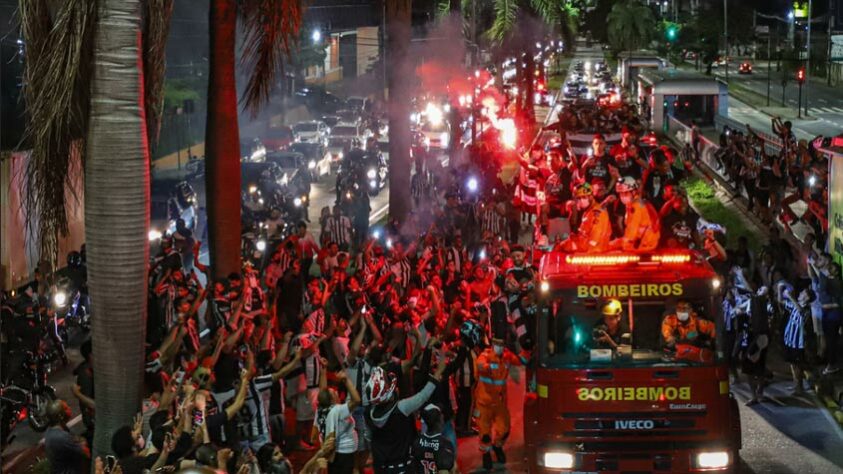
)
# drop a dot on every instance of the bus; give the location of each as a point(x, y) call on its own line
point(641, 406)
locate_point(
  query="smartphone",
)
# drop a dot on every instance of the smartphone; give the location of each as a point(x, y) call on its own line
point(363, 309)
point(110, 463)
point(198, 417)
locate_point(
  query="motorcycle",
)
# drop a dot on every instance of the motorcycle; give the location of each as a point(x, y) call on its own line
point(71, 309)
point(26, 396)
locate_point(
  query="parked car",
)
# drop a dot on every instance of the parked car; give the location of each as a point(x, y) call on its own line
point(277, 138)
point(311, 131)
point(317, 156)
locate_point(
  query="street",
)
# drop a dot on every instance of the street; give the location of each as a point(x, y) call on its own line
point(825, 114)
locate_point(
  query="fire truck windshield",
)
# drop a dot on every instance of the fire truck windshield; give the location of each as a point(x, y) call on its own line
point(587, 332)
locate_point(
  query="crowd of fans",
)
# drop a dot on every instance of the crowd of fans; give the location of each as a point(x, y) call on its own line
point(774, 182)
point(382, 349)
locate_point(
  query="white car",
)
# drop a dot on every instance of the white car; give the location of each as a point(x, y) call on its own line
point(436, 136)
point(313, 131)
point(317, 156)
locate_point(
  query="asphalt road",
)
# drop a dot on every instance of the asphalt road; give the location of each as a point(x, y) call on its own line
point(825, 112)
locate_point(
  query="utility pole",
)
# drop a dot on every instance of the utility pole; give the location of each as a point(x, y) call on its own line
point(726, 35)
point(769, 44)
point(830, 27)
point(808, 56)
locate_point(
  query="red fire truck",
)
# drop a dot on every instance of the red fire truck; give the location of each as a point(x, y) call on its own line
point(640, 405)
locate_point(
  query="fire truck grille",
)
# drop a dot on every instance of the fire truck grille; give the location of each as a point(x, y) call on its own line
point(634, 424)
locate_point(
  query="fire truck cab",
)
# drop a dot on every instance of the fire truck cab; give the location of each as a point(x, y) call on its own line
point(653, 399)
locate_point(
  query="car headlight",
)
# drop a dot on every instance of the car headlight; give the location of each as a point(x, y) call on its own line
point(558, 460)
point(371, 173)
point(373, 184)
point(311, 164)
point(713, 460)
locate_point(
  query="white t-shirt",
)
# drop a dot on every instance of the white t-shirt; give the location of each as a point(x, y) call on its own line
point(339, 421)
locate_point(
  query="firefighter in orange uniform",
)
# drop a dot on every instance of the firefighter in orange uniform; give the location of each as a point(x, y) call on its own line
point(490, 405)
point(594, 230)
point(686, 335)
point(642, 230)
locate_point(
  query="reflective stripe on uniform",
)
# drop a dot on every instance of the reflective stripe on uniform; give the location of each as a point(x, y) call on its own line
point(491, 381)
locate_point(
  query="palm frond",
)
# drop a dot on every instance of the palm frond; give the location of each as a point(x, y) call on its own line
point(270, 28)
point(506, 14)
point(156, 28)
point(548, 10)
point(56, 88)
point(443, 8)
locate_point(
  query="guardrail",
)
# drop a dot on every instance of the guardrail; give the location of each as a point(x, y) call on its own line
point(772, 142)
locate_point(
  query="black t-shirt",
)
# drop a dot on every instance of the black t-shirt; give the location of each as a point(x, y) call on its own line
point(628, 167)
point(598, 168)
point(681, 228)
point(654, 188)
point(432, 454)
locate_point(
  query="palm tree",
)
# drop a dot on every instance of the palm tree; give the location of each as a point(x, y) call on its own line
point(398, 15)
point(117, 216)
point(630, 25)
point(556, 15)
point(89, 78)
point(270, 28)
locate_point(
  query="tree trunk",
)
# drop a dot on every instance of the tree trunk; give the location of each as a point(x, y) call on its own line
point(399, 70)
point(117, 217)
point(222, 143)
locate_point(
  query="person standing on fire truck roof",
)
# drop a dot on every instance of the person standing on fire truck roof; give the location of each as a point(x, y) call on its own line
point(684, 327)
point(594, 229)
point(490, 399)
point(641, 222)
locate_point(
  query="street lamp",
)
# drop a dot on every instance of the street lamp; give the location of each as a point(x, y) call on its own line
point(316, 36)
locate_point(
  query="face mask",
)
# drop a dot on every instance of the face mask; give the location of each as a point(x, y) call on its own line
point(498, 349)
point(683, 315)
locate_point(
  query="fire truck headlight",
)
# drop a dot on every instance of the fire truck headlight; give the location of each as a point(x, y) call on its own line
point(544, 286)
point(715, 283)
point(558, 460)
point(713, 460)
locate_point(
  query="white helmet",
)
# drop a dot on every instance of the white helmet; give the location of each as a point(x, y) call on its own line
point(627, 184)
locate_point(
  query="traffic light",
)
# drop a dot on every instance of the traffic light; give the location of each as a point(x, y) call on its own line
point(800, 75)
point(672, 32)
